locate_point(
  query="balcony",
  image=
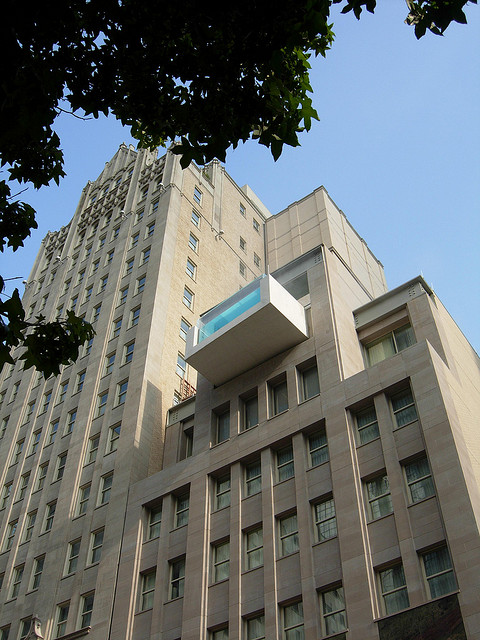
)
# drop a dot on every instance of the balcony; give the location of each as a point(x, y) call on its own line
point(255, 324)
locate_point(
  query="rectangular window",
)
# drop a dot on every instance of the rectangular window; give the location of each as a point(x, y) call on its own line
point(154, 522)
point(18, 451)
point(285, 467)
point(195, 218)
point(154, 207)
point(88, 252)
point(222, 492)
point(134, 317)
point(318, 448)
point(145, 256)
point(88, 293)
point(103, 284)
point(96, 543)
point(30, 410)
point(134, 240)
point(61, 462)
point(334, 619)
point(80, 381)
point(95, 265)
point(73, 303)
point(439, 572)
point(71, 417)
point(177, 578)
point(49, 515)
point(150, 230)
point(46, 402)
point(147, 589)
point(3, 428)
point(115, 233)
point(256, 260)
point(86, 610)
point(88, 347)
point(255, 628)
point(11, 530)
point(254, 548)
point(25, 628)
point(109, 362)
point(66, 286)
point(117, 325)
point(191, 269)
point(113, 436)
point(243, 210)
point(16, 580)
point(42, 474)
point(249, 408)
point(38, 564)
point(129, 266)
point(7, 490)
point(62, 616)
point(184, 327)
point(278, 397)
point(288, 531)
point(140, 284)
point(219, 634)
point(187, 298)
point(419, 480)
point(222, 426)
point(96, 312)
point(243, 244)
point(221, 561)
point(5, 632)
point(379, 498)
point(139, 215)
point(83, 496)
point(102, 403)
point(403, 406)
point(253, 478)
point(105, 488)
point(53, 431)
point(30, 523)
point(93, 448)
point(367, 425)
point(256, 225)
point(308, 383)
point(123, 295)
point(325, 520)
point(181, 510)
point(293, 628)
point(121, 392)
point(389, 345)
point(243, 269)
point(15, 386)
point(197, 195)
point(22, 488)
point(393, 589)
point(193, 243)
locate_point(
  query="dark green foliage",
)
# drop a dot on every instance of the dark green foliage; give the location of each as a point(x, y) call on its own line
point(205, 76)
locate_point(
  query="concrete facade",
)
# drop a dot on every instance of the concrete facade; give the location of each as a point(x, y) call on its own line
point(328, 490)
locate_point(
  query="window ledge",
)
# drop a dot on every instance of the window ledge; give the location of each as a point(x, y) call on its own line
point(364, 444)
point(413, 504)
point(388, 515)
point(278, 414)
point(317, 395)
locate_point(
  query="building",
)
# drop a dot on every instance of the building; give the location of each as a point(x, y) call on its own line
point(320, 478)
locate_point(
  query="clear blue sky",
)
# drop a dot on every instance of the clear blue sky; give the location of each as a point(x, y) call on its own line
point(397, 147)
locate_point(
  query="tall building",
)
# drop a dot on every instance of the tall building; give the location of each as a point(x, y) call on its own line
point(319, 479)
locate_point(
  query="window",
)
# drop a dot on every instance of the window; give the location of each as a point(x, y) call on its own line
point(96, 543)
point(115, 233)
point(16, 580)
point(197, 195)
point(44, 302)
point(243, 210)
point(403, 407)
point(88, 347)
point(145, 256)
point(243, 244)
point(222, 492)
point(113, 436)
point(123, 295)
point(117, 325)
point(325, 520)
point(102, 403)
point(144, 192)
point(88, 252)
point(439, 572)
point(193, 243)
point(37, 571)
point(11, 530)
point(278, 397)
point(219, 634)
point(86, 610)
point(255, 628)
point(288, 530)
point(22, 488)
point(187, 298)
point(31, 409)
point(285, 468)
point(177, 578)
point(93, 448)
point(109, 362)
point(256, 225)
point(389, 345)
point(134, 240)
point(7, 490)
point(61, 462)
point(147, 589)
point(25, 628)
point(18, 451)
point(105, 488)
point(318, 448)
point(378, 495)
point(96, 313)
point(95, 265)
point(150, 230)
point(333, 611)
point(30, 523)
point(254, 548)
point(222, 426)
point(62, 616)
point(140, 284)
point(103, 284)
point(139, 215)
point(66, 286)
point(88, 293)
point(256, 260)
point(42, 473)
point(154, 522)
point(53, 431)
point(101, 242)
point(221, 561)
point(195, 218)
point(181, 510)
point(121, 392)
point(3, 428)
point(419, 480)
point(393, 589)
point(253, 478)
point(308, 383)
point(49, 515)
point(83, 496)
point(108, 217)
point(293, 622)
point(73, 303)
point(154, 207)
point(5, 632)
point(14, 389)
point(243, 269)
point(129, 266)
point(249, 408)
point(191, 269)
point(134, 317)
point(80, 381)
point(367, 425)
point(109, 257)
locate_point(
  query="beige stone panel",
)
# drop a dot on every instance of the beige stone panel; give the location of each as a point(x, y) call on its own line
point(251, 510)
point(288, 577)
point(408, 440)
point(426, 524)
point(319, 481)
point(382, 536)
point(142, 625)
point(370, 458)
point(284, 496)
point(172, 618)
point(217, 599)
point(252, 588)
point(326, 563)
